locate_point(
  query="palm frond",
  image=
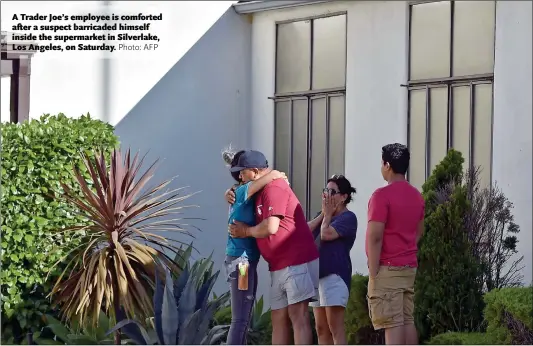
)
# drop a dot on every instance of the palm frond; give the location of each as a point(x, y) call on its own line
point(115, 269)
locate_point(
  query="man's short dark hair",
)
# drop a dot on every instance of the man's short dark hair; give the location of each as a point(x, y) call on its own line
point(397, 156)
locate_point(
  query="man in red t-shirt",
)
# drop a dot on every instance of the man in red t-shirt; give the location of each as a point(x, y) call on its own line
point(395, 225)
point(286, 243)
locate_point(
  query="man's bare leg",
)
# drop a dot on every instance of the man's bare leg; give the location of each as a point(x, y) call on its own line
point(281, 327)
point(395, 336)
point(301, 323)
point(411, 335)
point(322, 327)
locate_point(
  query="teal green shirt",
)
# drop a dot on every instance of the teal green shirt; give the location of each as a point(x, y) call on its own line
point(242, 210)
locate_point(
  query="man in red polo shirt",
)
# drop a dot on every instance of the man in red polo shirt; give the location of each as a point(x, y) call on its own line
point(286, 243)
point(395, 225)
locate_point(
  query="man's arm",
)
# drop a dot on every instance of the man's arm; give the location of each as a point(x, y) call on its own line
point(374, 242)
point(377, 217)
point(420, 227)
point(273, 203)
point(256, 185)
point(419, 231)
point(266, 228)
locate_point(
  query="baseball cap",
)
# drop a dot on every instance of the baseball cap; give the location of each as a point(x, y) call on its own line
point(250, 159)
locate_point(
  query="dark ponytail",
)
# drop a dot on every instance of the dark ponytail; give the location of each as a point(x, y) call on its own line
point(344, 185)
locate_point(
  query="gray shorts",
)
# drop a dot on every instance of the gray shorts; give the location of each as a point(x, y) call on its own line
point(293, 285)
point(332, 291)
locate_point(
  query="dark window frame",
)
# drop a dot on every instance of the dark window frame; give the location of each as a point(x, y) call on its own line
point(309, 95)
point(449, 83)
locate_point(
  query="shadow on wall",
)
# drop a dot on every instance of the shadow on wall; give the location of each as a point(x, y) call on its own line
point(200, 106)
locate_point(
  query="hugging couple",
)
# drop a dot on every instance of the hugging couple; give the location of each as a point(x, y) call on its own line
point(266, 219)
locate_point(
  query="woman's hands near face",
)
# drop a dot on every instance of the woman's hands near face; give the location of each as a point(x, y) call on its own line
point(329, 204)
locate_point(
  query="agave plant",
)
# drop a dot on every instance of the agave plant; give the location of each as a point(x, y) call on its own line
point(74, 334)
point(183, 311)
point(115, 267)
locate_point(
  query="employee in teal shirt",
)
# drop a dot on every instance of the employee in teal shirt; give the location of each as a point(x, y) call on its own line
point(248, 163)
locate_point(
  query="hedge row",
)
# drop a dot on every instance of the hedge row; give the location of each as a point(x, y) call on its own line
point(36, 156)
point(509, 317)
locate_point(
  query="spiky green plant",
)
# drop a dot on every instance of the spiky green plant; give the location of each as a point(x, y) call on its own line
point(73, 334)
point(115, 267)
point(183, 311)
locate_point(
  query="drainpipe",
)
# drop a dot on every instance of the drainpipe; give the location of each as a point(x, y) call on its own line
point(106, 71)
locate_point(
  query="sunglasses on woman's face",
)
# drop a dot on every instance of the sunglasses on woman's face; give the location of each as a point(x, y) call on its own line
point(329, 191)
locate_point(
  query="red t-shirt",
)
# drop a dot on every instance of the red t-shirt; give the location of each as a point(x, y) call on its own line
point(293, 244)
point(401, 207)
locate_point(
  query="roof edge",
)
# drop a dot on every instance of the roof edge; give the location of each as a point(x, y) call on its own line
point(258, 6)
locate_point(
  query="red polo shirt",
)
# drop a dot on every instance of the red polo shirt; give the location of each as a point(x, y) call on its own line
point(400, 206)
point(293, 244)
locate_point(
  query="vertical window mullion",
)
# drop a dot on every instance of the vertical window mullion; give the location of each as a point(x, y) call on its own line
point(472, 129)
point(326, 166)
point(291, 140)
point(309, 155)
point(428, 129)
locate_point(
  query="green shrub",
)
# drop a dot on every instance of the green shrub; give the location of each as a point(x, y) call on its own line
point(35, 156)
point(507, 309)
point(453, 338)
point(448, 292)
point(359, 329)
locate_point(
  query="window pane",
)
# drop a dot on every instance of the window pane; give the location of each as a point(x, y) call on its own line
point(336, 135)
point(430, 40)
point(483, 131)
point(461, 122)
point(283, 128)
point(299, 158)
point(438, 125)
point(329, 52)
point(318, 154)
point(293, 57)
point(473, 38)
point(417, 137)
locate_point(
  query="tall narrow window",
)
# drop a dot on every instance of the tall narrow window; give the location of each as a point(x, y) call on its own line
point(310, 104)
point(451, 73)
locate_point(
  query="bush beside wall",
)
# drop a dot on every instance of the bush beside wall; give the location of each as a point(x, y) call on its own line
point(359, 329)
point(452, 338)
point(509, 314)
point(35, 157)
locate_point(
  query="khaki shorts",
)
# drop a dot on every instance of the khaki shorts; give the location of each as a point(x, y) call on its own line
point(391, 297)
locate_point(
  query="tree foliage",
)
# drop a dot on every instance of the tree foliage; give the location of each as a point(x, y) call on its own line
point(492, 233)
point(448, 289)
point(36, 156)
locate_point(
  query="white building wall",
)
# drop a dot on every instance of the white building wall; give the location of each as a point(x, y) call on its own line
point(200, 106)
point(511, 166)
point(376, 104)
point(73, 83)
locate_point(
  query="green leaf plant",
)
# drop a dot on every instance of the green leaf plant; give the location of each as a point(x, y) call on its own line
point(35, 156)
point(115, 267)
point(183, 313)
